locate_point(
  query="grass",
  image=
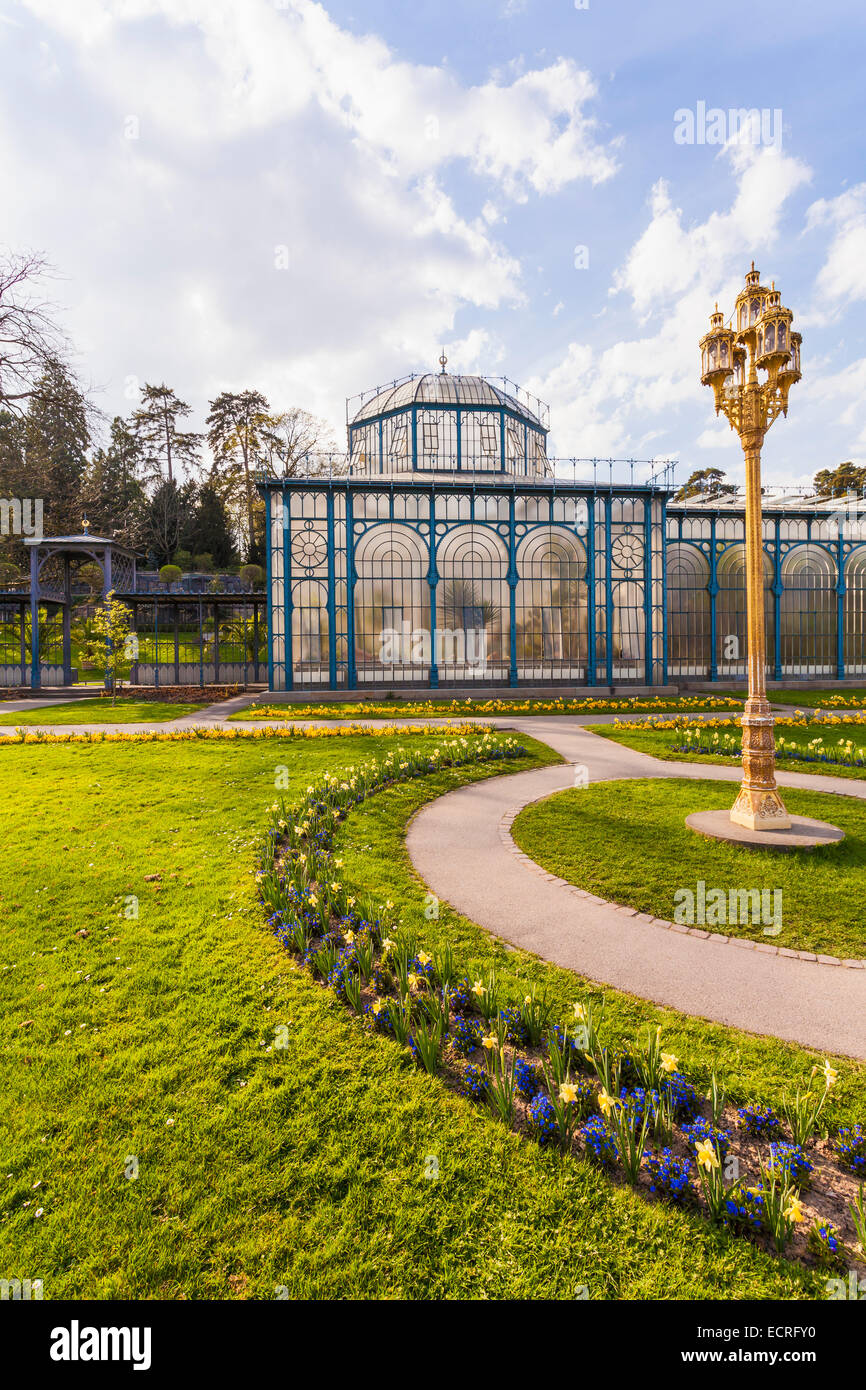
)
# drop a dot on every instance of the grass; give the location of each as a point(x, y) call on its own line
point(510, 705)
point(662, 743)
point(300, 1167)
point(628, 842)
point(100, 711)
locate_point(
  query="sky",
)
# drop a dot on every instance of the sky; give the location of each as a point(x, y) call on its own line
point(313, 199)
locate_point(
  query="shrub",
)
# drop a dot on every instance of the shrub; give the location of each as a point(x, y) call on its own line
point(204, 563)
point(253, 575)
point(170, 574)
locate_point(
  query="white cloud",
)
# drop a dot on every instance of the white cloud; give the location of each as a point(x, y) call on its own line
point(267, 133)
point(604, 401)
point(843, 274)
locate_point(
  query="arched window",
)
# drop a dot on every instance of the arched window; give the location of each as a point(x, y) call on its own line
point(551, 606)
point(688, 574)
point(472, 605)
point(808, 612)
point(392, 605)
point(731, 627)
point(855, 613)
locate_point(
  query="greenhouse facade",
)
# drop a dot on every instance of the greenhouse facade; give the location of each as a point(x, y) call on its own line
point(448, 550)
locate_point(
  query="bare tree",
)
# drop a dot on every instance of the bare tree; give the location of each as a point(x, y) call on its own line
point(296, 442)
point(31, 344)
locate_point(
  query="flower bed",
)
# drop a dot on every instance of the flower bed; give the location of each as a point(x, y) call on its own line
point(398, 708)
point(217, 735)
point(637, 1114)
point(841, 752)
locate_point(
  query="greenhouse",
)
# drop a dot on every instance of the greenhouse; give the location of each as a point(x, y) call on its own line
point(448, 549)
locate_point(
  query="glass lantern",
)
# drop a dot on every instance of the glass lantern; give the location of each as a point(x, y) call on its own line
point(717, 351)
point(751, 302)
point(773, 341)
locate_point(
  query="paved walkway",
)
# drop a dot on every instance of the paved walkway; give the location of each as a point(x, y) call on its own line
point(461, 846)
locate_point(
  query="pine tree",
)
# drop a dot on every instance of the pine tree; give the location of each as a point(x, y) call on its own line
point(236, 426)
point(163, 446)
point(211, 530)
point(56, 438)
point(113, 494)
point(838, 482)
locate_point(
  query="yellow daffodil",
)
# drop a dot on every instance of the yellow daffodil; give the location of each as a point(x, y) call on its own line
point(669, 1062)
point(378, 1006)
point(490, 1042)
point(478, 988)
point(794, 1210)
point(831, 1076)
point(568, 1092)
point(423, 958)
point(706, 1154)
point(606, 1103)
point(579, 1012)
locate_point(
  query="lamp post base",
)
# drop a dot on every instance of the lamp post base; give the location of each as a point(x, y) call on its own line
point(759, 805)
point(758, 808)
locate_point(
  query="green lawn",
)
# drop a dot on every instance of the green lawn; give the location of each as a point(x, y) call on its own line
point(304, 1166)
point(124, 711)
point(628, 842)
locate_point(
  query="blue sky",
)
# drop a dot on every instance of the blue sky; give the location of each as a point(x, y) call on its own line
point(313, 198)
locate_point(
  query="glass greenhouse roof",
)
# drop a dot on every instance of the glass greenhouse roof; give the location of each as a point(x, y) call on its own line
point(445, 389)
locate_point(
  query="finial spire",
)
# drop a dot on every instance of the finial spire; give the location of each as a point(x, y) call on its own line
point(442, 361)
point(85, 526)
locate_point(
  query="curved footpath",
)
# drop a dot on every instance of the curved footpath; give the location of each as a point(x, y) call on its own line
point(461, 846)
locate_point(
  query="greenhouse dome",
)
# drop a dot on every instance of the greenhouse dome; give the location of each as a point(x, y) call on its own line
point(439, 422)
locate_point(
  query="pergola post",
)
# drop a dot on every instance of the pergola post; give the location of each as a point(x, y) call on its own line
point(35, 668)
point(67, 622)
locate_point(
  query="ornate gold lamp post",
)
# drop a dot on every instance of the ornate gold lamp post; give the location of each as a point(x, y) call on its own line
point(759, 338)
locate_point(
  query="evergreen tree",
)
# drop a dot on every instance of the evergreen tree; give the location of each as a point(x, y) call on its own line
point(155, 426)
point(837, 482)
point(236, 426)
point(56, 438)
point(113, 494)
point(168, 520)
point(211, 530)
point(706, 482)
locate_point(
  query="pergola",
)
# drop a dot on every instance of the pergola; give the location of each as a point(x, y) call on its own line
point(118, 572)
